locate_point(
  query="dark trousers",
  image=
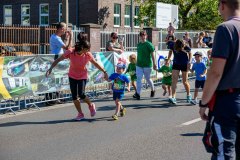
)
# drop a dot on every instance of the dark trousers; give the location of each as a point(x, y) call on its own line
point(225, 126)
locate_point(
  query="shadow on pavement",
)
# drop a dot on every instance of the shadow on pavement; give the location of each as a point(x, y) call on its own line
point(10, 124)
point(192, 134)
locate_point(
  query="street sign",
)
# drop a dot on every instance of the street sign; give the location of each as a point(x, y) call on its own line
point(166, 13)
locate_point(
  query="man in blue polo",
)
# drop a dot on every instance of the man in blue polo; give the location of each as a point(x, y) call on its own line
point(56, 43)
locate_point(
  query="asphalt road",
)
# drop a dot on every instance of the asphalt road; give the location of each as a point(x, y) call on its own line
point(151, 130)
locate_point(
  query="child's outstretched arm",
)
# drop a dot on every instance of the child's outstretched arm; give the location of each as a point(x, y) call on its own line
point(49, 71)
point(100, 68)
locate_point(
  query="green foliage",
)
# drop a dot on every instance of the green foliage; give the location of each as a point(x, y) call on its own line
point(193, 14)
point(206, 16)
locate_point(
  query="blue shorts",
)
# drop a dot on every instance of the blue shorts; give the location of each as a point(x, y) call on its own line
point(118, 95)
point(199, 84)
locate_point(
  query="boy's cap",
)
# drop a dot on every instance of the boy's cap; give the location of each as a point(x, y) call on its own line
point(198, 53)
point(121, 65)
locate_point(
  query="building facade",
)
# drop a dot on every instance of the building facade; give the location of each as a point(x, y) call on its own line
point(106, 13)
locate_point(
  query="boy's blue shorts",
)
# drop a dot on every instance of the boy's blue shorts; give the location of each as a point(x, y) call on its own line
point(118, 95)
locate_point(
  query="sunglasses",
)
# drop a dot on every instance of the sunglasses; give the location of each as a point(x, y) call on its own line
point(115, 37)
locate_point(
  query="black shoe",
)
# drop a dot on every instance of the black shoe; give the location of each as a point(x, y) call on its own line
point(152, 94)
point(137, 96)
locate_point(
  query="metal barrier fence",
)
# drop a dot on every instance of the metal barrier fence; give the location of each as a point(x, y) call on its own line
point(130, 38)
point(17, 40)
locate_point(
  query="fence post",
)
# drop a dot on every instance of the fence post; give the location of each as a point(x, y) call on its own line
point(93, 31)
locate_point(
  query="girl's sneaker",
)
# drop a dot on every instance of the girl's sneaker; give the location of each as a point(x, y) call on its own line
point(92, 109)
point(189, 98)
point(79, 117)
point(123, 112)
point(172, 100)
point(115, 117)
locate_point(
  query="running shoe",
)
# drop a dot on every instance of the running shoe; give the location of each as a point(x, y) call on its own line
point(92, 109)
point(123, 112)
point(152, 94)
point(115, 117)
point(189, 98)
point(79, 117)
point(194, 102)
point(137, 96)
point(172, 100)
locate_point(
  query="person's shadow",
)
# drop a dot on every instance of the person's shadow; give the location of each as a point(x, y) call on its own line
point(10, 124)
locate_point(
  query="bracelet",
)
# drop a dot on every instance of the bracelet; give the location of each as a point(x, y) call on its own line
point(104, 71)
point(202, 105)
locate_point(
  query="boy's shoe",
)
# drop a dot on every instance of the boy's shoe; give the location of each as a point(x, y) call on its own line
point(92, 109)
point(194, 102)
point(172, 100)
point(189, 98)
point(115, 117)
point(123, 112)
point(79, 117)
point(152, 94)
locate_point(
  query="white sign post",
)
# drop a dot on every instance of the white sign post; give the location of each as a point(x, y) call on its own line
point(166, 13)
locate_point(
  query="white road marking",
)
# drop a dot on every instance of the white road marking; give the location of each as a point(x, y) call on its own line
point(191, 122)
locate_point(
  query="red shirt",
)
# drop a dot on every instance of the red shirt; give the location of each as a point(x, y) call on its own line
point(78, 69)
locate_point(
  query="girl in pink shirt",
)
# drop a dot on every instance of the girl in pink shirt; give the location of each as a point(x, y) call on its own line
point(78, 74)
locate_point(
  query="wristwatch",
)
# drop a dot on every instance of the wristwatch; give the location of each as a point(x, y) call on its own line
point(202, 105)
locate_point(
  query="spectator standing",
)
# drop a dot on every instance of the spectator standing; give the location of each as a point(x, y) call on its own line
point(145, 62)
point(56, 43)
point(114, 45)
point(221, 93)
point(170, 28)
point(57, 47)
point(187, 40)
point(199, 41)
point(78, 74)
point(207, 40)
point(170, 40)
point(200, 70)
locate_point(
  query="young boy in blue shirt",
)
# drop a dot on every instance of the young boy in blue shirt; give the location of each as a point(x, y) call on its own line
point(200, 71)
point(119, 81)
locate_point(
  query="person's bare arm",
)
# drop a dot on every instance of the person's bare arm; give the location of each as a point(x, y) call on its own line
point(100, 68)
point(54, 64)
point(66, 47)
point(154, 62)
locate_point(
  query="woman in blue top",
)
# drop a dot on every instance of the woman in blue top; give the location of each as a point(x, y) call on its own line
point(181, 62)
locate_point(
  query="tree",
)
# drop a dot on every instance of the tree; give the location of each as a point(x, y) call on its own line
point(193, 14)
